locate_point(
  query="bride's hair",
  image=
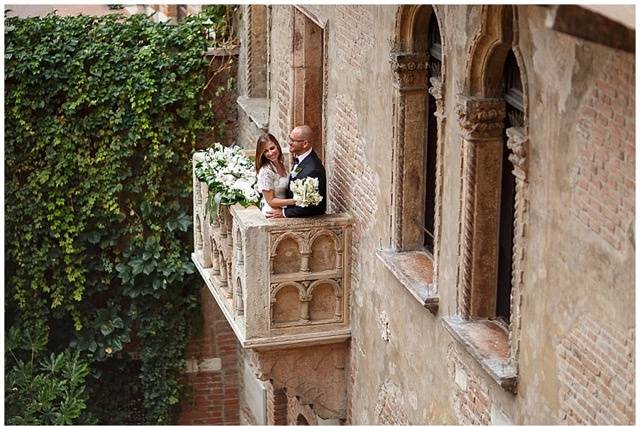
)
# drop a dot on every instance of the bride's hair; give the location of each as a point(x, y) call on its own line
point(261, 147)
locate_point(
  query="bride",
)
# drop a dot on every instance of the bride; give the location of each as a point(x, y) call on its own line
point(273, 178)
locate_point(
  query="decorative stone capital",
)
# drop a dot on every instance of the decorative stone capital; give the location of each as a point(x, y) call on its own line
point(316, 374)
point(436, 88)
point(518, 143)
point(409, 70)
point(480, 118)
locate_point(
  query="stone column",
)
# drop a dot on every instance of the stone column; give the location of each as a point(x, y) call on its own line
point(410, 84)
point(518, 144)
point(205, 227)
point(215, 262)
point(481, 122)
point(436, 90)
point(238, 298)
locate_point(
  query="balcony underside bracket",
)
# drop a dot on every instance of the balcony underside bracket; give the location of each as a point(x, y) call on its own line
point(316, 374)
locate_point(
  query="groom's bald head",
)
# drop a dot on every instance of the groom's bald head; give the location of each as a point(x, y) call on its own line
point(303, 132)
point(300, 139)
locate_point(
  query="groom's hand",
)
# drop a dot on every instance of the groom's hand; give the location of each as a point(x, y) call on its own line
point(275, 214)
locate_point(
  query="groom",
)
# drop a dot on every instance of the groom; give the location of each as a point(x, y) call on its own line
point(305, 164)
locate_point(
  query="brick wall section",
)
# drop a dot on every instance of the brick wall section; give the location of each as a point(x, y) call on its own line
point(276, 405)
point(352, 185)
point(389, 405)
point(471, 402)
point(354, 34)
point(603, 193)
point(211, 395)
point(596, 364)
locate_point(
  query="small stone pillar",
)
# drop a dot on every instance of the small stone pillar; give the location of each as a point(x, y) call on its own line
point(481, 122)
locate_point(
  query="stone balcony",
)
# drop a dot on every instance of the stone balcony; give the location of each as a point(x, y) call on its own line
point(283, 286)
point(279, 282)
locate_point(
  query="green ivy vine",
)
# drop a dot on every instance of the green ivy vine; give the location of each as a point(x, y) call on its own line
point(102, 117)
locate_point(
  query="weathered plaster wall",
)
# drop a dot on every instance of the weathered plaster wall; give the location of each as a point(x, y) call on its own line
point(577, 309)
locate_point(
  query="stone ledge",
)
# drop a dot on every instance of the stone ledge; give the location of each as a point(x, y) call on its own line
point(257, 109)
point(487, 341)
point(414, 270)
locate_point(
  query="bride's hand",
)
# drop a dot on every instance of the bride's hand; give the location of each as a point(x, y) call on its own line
point(275, 214)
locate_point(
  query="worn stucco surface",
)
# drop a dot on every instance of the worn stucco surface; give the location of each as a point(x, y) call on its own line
point(401, 354)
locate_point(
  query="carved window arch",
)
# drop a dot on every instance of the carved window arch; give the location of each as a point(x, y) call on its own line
point(418, 67)
point(493, 121)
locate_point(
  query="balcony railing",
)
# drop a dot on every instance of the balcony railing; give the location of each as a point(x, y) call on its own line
point(279, 282)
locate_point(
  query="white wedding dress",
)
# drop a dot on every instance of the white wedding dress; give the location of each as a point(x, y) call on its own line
point(269, 180)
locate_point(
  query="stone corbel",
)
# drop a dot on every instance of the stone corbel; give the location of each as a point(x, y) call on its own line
point(409, 70)
point(315, 374)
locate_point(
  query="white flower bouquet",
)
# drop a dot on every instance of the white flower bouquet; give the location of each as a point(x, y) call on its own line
point(230, 175)
point(305, 192)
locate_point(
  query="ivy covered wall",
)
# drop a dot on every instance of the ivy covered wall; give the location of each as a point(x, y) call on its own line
point(102, 116)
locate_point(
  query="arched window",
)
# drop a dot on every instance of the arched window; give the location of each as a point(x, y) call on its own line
point(493, 214)
point(418, 109)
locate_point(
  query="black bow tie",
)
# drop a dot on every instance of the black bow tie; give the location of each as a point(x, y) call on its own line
point(295, 161)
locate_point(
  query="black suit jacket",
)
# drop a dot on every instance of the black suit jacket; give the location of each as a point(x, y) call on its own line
point(311, 167)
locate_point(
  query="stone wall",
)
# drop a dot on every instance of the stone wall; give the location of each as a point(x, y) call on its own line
point(575, 325)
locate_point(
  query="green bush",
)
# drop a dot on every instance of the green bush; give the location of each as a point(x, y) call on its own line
point(102, 116)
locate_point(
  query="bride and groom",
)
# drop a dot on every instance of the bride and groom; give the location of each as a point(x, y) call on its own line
point(274, 181)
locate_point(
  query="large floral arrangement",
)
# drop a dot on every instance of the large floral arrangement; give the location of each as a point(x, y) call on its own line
point(230, 175)
point(305, 192)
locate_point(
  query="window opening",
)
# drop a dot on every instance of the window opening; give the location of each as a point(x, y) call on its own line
point(431, 137)
point(514, 118)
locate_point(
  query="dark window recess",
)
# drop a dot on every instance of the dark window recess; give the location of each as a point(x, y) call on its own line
point(431, 137)
point(514, 118)
point(435, 45)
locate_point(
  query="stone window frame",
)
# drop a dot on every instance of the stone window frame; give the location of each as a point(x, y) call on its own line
point(406, 257)
point(319, 144)
point(481, 112)
point(255, 102)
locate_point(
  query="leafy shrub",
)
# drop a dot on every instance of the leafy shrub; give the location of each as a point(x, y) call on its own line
point(102, 116)
point(42, 390)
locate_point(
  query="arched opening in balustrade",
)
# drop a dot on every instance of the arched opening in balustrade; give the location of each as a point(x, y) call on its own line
point(324, 252)
point(287, 256)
